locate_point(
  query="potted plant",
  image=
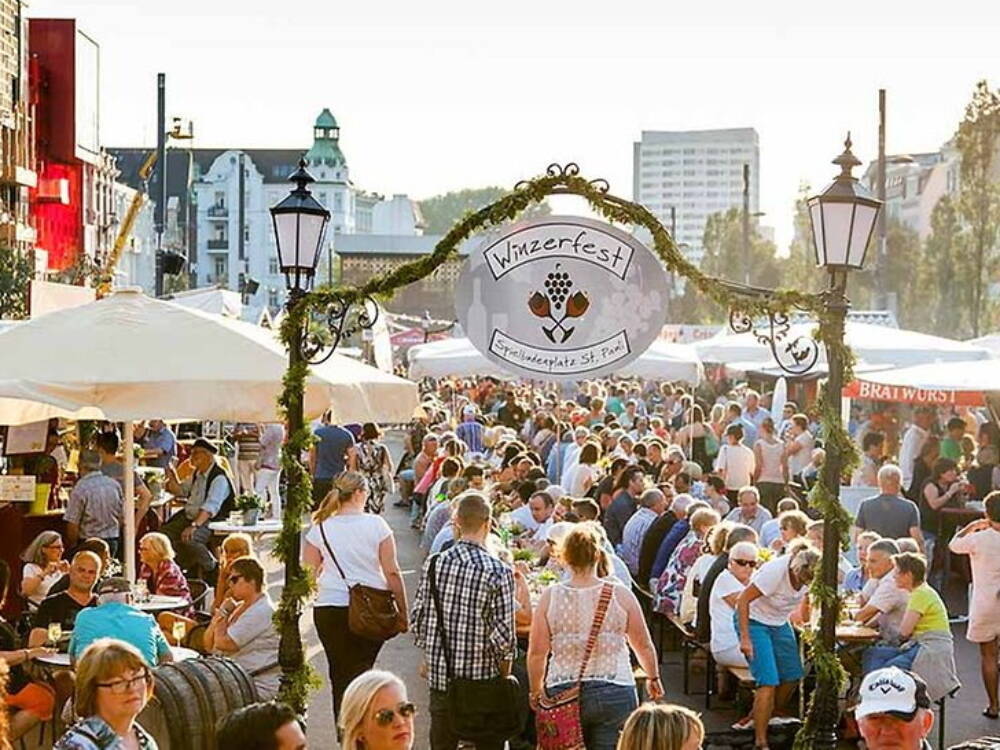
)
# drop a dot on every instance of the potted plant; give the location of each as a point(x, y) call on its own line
point(155, 484)
point(250, 504)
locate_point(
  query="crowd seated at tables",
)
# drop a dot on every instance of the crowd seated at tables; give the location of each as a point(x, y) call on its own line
point(551, 512)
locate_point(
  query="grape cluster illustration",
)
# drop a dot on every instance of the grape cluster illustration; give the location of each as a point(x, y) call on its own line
point(557, 286)
point(558, 290)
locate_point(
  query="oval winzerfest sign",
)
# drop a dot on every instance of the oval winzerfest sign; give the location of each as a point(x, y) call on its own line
point(561, 298)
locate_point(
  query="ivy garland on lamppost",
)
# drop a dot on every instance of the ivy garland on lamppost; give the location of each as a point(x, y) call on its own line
point(345, 309)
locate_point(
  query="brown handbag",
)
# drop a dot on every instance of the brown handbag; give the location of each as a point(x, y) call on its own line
point(371, 613)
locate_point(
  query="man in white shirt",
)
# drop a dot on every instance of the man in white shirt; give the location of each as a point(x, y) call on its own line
point(913, 441)
point(799, 448)
point(882, 600)
point(735, 462)
point(580, 435)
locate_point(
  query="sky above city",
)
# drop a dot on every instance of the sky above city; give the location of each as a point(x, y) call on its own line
point(441, 95)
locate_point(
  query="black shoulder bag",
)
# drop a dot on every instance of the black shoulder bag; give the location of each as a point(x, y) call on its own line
point(479, 710)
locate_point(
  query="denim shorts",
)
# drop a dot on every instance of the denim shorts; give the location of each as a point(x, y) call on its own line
point(604, 707)
point(775, 654)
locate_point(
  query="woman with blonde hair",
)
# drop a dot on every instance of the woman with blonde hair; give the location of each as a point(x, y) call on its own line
point(43, 565)
point(655, 726)
point(113, 686)
point(161, 573)
point(561, 627)
point(672, 581)
point(376, 714)
point(346, 546)
point(234, 546)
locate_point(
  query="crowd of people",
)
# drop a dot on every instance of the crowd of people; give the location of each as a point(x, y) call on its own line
point(556, 525)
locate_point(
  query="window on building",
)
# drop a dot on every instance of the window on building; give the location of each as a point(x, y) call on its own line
point(272, 297)
point(338, 203)
point(220, 199)
point(272, 266)
point(323, 198)
point(219, 266)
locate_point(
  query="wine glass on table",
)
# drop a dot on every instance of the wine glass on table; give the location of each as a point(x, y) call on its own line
point(54, 633)
point(178, 630)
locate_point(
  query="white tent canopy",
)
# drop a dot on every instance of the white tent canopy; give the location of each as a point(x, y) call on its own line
point(973, 377)
point(875, 345)
point(457, 356)
point(990, 341)
point(131, 357)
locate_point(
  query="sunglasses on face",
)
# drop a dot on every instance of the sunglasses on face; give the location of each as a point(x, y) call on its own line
point(384, 717)
point(746, 563)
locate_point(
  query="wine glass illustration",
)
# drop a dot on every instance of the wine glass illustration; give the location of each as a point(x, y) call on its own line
point(558, 303)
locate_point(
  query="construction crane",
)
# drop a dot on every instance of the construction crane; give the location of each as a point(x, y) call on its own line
point(132, 213)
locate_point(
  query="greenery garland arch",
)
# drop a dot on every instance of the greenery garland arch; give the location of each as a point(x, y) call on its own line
point(745, 303)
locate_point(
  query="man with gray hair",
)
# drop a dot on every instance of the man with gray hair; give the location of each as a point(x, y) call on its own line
point(115, 617)
point(95, 505)
point(652, 503)
point(889, 514)
point(882, 600)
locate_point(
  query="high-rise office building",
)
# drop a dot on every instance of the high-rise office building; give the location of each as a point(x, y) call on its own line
point(696, 173)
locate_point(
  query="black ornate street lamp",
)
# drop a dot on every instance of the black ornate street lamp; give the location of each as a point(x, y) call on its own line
point(300, 223)
point(842, 216)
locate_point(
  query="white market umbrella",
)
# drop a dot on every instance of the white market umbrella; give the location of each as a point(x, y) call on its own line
point(457, 356)
point(132, 357)
point(876, 345)
point(990, 341)
point(939, 383)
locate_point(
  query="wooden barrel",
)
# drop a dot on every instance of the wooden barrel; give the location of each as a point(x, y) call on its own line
point(190, 699)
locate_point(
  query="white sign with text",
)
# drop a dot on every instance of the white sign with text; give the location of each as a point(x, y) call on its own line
point(561, 298)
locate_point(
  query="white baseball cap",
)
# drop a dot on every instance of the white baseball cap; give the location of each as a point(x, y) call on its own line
point(892, 691)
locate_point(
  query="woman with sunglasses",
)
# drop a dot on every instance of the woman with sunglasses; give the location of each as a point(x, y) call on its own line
point(113, 686)
point(725, 643)
point(242, 628)
point(767, 639)
point(376, 714)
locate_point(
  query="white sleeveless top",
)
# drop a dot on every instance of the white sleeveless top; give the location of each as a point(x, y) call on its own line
point(570, 617)
point(770, 470)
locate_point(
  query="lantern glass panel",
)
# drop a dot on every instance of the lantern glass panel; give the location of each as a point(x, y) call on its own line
point(864, 220)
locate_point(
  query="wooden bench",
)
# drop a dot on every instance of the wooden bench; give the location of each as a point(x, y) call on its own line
point(690, 644)
point(940, 703)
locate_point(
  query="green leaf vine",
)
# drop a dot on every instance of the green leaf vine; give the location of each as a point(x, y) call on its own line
point(557, 180)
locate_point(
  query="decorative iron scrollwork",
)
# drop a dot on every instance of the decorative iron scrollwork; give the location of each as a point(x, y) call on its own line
point(796, 356)
point(563, 172)
point(339, 321)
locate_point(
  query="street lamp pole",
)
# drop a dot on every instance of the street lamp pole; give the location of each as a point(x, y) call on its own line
point(300, 223)
point(843, 217)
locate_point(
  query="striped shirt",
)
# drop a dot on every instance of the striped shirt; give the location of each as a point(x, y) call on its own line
point(477, 599)
point(471, 433)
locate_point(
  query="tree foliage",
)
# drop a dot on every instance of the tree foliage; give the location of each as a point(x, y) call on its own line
point(16, 271)
point(799, 269)
point(723, 258)
point(979, 196)
point(441, 212)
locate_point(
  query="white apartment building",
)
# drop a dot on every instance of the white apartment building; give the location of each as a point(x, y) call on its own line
point(223, 257)
point(914, 183)
point(697, 173)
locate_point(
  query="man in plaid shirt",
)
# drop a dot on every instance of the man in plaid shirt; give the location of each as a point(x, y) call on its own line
point(477, 600)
